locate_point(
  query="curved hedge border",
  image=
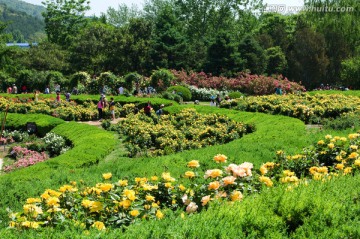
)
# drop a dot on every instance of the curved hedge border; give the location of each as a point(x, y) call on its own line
point(90, 145)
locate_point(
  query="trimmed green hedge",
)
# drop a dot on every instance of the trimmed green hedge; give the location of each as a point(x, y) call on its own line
point(90, 145)
point(43, 123)
point(181, 90)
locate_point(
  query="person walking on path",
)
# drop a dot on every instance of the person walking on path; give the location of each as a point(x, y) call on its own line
point(100, 107)
point(112, 108)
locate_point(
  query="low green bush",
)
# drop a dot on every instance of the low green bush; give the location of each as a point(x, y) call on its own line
point(44, 123)
point(181, 90)
point(346, 121)
point(235, 95)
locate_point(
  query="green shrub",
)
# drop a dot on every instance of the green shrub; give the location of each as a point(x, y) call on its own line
point(181, 90)
point(343, 122)
point(161, 79)
point(235, 95)
point(131, 79)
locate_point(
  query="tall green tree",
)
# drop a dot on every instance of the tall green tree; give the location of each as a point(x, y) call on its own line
point(91, 48)
point(122, 15)
point(253, 54)
point(64, 19)
point(276, 61)
point(223, 56)
point(169, 44)
point(307, 58)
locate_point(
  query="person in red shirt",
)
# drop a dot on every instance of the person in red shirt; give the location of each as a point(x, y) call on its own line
point(147, 109)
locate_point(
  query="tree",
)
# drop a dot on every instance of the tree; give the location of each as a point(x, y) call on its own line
point(169, 46)
point(253, 54)
point(223, 56)
point(64, 19)
point(307, 59)
point(92, 47)
point(276, 61)
point(46, 57)
point(122, 15)
point(350, 73)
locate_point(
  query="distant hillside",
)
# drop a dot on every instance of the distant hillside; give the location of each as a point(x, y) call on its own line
point(23, 27)
point(30, 9)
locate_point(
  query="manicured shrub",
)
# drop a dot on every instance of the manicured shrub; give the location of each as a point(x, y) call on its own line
point(161, 79)
point(183, 91)
point(235, 95)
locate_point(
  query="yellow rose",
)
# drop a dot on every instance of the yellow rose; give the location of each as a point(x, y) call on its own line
point(220, 158)
point(107, 175)
point(193, 164)
point(189, 174)
point(134, 213)
point(214, 185)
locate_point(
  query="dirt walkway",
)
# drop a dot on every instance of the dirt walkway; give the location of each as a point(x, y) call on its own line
point(98, 123)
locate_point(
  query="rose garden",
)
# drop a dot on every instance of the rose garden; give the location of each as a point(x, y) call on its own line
point(259, 165)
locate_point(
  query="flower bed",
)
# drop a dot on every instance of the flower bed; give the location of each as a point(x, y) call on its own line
point(118, 203)
point(302, 106)
point(174, 133)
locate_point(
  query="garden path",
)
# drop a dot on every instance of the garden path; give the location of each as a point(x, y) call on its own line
point(98, 123)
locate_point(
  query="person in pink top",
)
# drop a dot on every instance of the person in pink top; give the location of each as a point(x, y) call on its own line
point(101, 105)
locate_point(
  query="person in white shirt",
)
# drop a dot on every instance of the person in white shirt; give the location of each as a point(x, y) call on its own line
point(121, 90)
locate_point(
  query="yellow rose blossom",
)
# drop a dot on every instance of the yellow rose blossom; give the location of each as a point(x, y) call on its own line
point(214, 185)
point(193, 164)
point(229, 180)
point(167, 177)
point(86, 203)
point(134, 213)
point(357, 163)
point(99, 225)
point(107, 175)
point(318, 176)
point(328, 136)
point(53, 202)
point(344, 139)
point(353, 155)
point(205, 200)
point(154, 178)
point(339, 166)
point(353, 147)
point(266, 180)
point(331, 146)
point(288, 173)
point(159, 214)
point(189, 174)
point(323, 169)
point(338, 158)
point(149, 198)
point(154, 205)
point(125, 204)
point(148, 187)
point(263, 169)
point(279, 152)
point(320, 142)
point(182, 187)
point(32, 210)
point(123, 183)
point(236, 196)
point(347, 170)
point(353, 136)
point(147, 206)
point(220, 158)
point(214, 173)
point(33, 200)
point(69, 188)
point(168, 185)
point(130, 194)
point(53, 193)
point(96, 206)
point(105, 187)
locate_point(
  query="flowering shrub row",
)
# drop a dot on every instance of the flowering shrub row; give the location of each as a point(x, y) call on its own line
point(174, 133)
point(205, 94)
point(113, 204)
point(64, 110)
point(244, 82)
point(302, 106)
